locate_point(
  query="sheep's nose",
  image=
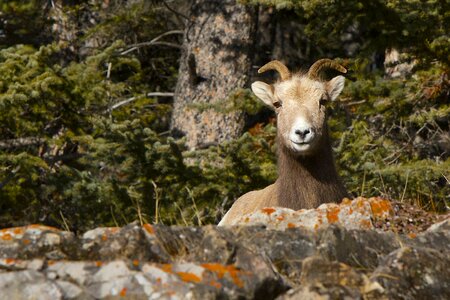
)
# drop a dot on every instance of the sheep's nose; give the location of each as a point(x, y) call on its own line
point(302, 133)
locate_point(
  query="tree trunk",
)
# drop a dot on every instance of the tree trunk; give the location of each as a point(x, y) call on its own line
point(216, 61)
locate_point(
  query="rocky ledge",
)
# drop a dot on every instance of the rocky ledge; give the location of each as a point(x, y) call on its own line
point(343, 251)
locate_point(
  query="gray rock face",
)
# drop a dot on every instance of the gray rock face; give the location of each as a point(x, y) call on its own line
point(415, 273)
point(242, 262)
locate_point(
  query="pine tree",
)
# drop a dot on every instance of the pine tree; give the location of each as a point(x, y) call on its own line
point(85, 141)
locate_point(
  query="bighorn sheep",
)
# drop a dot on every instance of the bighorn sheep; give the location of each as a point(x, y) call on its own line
point(307, 175)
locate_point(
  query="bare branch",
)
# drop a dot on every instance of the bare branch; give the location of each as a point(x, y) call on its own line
point(154, 42)
point(126, 101)
point(176, 12)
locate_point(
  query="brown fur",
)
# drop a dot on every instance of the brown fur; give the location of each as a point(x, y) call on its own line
point(308, 181)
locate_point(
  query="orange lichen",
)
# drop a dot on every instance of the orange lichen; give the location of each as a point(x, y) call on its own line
point(135, 262)
point(149, 228)
point(247, 219)
point(215, 284)
point(26, 241)
point(380, 207)
point(346, 201)
point(113, 229)
point(104, 237)
point(268, 210)
point(359, 202)
point(50, 262)
point(291, 225)
point(366, 224)
point(166, 268)
point(220, 270)
point(280, 218)
point(188, 277)
point(18, 230)
point(412, 235)
point(123, 292)
point(98, 263)
point(333, 214)
point(42, 227)
point(9, 261)
point(7, 237)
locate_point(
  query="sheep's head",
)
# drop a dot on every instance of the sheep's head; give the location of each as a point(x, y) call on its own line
point(299, 102)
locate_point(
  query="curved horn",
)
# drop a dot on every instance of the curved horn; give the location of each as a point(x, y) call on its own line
point(322, 64)
point(277, 66)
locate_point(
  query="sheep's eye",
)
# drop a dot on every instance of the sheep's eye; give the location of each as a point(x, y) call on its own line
point(323, 100)
point(277, 104)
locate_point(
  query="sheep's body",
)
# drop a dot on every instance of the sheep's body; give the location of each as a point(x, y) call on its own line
point(303, 182)
point(250, 202)
point(307, 174)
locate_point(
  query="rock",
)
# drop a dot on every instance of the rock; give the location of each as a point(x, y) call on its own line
point(319, 270)
point(129, 242)
point(358, 248)
point(436, 239)
point(323, 279)
point(285, 249)
point(71, 291)
point(344, 257)
point(28, 284)
point(355, 214)
point(77, 272)
point(319, 292)
point(35, 241)
point(443, 226)
point(414, 273)
point(218, 248)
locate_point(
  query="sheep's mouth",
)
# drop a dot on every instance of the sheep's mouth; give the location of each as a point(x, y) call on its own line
point(301, 147)
point(300, 143)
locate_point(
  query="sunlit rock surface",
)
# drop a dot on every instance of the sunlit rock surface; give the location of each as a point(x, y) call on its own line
point(356, 214)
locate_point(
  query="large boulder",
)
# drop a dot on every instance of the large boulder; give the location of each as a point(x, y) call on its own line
point(349, 254)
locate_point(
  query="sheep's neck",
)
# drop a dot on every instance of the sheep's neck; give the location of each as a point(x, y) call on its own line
point(310, 180)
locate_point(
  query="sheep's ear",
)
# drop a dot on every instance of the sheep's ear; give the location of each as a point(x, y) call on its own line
point(335, 86)
point(264, 92)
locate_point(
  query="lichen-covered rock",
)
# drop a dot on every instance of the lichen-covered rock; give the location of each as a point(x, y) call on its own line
point(358, 248)
point(35, 241)
point(352, 214)
point(323, 279)
point(28, 284)
point(129, 242)
point(414, 273)
point(319, 292)
point(336, 260)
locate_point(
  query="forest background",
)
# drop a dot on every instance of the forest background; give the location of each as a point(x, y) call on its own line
point(115, 111)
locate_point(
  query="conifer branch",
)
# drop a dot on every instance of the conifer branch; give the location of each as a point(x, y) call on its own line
point(9, 177)
point(20, 142)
